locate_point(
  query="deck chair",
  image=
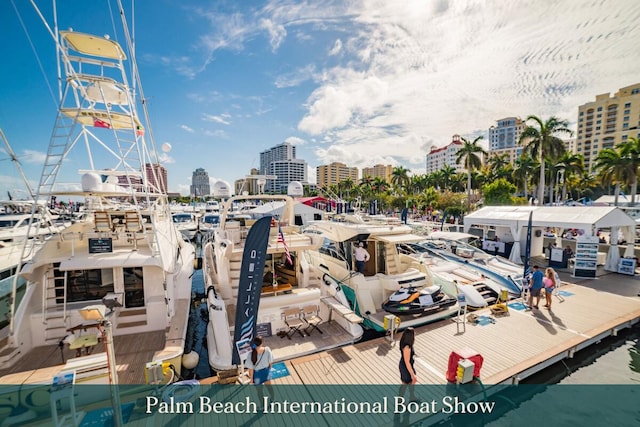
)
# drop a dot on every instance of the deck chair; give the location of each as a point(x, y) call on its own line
point(293, 320)
point(102, 222)
point(133, 225)
point(312, 318)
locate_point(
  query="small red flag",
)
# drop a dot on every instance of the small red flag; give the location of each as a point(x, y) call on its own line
point(101, 124)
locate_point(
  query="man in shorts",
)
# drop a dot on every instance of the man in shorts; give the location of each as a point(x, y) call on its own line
point(535, 287)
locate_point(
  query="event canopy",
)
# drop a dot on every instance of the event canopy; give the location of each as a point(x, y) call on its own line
point(587, 218)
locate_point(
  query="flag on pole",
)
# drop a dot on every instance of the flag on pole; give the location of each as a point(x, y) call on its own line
point(100, 123)
point(286, 248)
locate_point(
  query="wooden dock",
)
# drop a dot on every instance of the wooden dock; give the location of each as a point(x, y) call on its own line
point(514, 346)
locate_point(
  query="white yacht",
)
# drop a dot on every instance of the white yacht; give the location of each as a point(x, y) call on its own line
point(292, 294)
point(388, 271)
point(124, 273)
point(186, 223)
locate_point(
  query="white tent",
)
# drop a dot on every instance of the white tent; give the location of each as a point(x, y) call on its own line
point(586, 218)
point(305, 213)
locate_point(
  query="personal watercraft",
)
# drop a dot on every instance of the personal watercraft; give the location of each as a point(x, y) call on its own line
point(413, 300)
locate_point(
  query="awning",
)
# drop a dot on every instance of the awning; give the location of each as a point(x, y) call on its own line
point(99, 261)
point(400, 238)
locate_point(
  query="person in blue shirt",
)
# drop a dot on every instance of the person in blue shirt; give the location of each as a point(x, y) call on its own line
point(535, 286)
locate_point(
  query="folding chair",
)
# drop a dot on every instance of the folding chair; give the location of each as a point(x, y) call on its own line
point(293, 320)
point(310, 314)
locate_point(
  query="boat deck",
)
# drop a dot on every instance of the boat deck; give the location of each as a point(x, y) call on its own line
point(514, 346)
point(41, 364)
point(133, 352)
point(333, 335)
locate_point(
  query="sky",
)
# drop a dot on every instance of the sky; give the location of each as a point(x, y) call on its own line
point(361, 82)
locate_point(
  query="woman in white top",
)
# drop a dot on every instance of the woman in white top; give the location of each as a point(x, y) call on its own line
point(259, 363)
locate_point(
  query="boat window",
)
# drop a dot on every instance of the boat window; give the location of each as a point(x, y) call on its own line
point(381, 262)
point(133, 287)
point(298, 220)
point(8, 223)
point(87, 285)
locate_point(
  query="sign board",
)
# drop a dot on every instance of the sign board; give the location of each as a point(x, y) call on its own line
point(100, 246)
point(263, 329)
point(586, 256)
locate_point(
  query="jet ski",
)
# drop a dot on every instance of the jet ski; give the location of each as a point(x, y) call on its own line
point(413, 300)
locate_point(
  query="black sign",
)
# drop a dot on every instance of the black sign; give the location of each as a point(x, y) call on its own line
point(100, 246)
point(263, 329)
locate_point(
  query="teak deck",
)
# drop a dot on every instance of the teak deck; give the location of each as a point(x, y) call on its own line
point(514, 347)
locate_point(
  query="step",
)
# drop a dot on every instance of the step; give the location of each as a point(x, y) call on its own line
point(132, 312)
point(132, 324)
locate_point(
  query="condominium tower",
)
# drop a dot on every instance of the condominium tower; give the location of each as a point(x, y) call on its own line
point(200, 183)
point(334, 173)
point(439, 157)
point(281, 161)
point(607, 122)
point(505, 136)
point(381, 171)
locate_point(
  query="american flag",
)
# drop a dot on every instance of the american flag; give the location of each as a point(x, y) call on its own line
point(286, 248)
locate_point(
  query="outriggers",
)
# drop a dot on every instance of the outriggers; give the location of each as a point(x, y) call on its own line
point(126, 257)
point(290, 293)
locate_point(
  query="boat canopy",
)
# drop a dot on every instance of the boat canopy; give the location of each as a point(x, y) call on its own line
point(103, 119)
point(400, 238)
point(134, 259)
point(88, 44)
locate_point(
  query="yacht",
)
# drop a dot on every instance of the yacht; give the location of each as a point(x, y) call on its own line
point(459, 247)
point(299, 309)
point(387, 275)
point(120, 277)
point(186, 223)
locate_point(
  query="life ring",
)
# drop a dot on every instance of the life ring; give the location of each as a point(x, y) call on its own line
point(181, 391)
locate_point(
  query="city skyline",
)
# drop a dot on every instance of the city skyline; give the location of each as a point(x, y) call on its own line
point(362, 83)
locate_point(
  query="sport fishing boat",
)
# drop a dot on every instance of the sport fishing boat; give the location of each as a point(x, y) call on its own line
point(259, 281)
point(123, 273)
point(387, 276)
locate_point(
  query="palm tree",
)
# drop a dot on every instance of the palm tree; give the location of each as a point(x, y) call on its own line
point(607, 165)
point(542, 143)
point(445, 175)
point(573, 164)
point(630, 156)
point(469, 154)
point(400, 177)
point(525, 166)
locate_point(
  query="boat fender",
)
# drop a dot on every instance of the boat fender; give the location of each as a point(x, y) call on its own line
point(181, 391)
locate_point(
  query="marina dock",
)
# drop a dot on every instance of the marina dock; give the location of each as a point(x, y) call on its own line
point(514, 346)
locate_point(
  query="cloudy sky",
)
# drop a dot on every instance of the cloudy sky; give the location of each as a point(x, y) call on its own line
point(361, 82)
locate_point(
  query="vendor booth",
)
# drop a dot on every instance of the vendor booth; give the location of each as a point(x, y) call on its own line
point(510, 223)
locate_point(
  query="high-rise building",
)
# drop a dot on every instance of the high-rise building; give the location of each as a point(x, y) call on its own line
point(200, 186)
point(156, 177)
point(607, 122)
point(381, 171)
point(248, 184)
point(438, 157)
point(281, 161)
point(505, 136)
point(334, 173)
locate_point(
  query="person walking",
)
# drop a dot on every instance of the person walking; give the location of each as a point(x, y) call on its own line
point(362, 256)
point(550, 284)
point(535, 287)
point(406, 365)
point(259, 365)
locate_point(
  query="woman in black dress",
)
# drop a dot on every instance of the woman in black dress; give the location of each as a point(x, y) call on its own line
point(407, 370)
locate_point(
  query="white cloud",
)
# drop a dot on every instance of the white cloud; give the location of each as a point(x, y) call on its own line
point(294, 140)
point(32, 156)
point(337, 48)
point(222, 119)
point(186, 128)
point(296, 77)
point(311, 175)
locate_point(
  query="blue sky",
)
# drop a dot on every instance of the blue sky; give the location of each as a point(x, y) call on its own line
point(361, 82)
